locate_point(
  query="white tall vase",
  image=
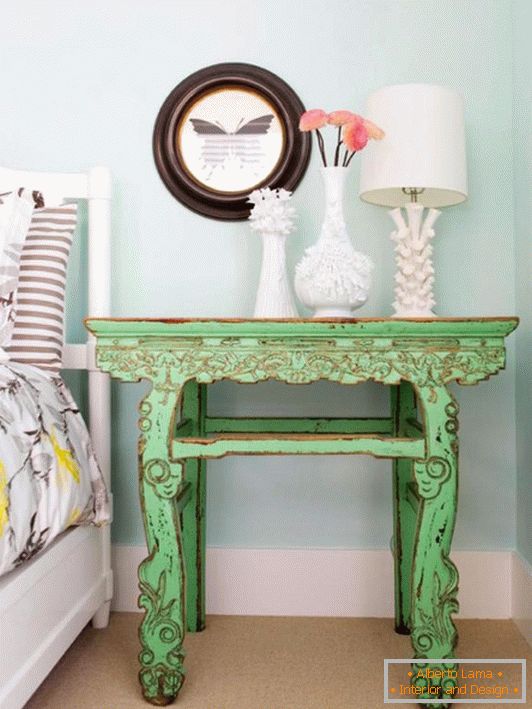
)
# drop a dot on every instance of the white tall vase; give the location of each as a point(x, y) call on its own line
point(274, 297)
point(332, 278)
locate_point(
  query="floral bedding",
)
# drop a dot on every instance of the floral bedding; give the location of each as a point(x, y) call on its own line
point(49, 477)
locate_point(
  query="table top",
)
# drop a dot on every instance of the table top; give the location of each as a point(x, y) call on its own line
point(360, 327)
point(424, 351)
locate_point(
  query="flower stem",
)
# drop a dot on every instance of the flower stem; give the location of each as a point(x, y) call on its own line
point(345, 157)
point(338, 144)
point(321, 145)
point(350, 158)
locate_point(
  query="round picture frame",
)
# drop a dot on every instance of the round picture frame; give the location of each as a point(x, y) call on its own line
point(226, 130)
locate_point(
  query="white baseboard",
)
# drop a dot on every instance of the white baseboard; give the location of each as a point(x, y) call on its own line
point(522, 595)
point(324, 582)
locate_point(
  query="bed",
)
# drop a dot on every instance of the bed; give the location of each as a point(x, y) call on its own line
point(46, 601)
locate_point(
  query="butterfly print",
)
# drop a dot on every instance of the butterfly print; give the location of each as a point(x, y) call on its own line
point(220, 145)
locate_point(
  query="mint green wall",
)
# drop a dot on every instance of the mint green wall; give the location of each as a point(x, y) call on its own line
point(82, 84)
point(523, 226)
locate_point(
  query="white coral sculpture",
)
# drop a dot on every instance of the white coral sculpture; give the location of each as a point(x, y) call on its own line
point(272, 213)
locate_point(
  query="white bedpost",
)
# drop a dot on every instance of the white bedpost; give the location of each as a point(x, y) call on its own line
point(99, 305)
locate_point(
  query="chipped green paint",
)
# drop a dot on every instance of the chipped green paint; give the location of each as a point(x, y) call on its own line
point(194, 520)
point(162, 573)
point(403, 409)
point(180, 357)
point(298, 444)
point(290, 424)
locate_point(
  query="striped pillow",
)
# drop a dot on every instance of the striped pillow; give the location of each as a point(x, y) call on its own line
point(40, 300)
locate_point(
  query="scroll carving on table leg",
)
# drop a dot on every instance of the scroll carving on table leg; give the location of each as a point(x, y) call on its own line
point(161, 574)
point(434, 576)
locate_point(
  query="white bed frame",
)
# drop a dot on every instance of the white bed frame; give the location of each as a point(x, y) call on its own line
point(47, 602)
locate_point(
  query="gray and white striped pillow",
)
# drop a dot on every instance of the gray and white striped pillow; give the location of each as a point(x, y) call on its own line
point(40, 300)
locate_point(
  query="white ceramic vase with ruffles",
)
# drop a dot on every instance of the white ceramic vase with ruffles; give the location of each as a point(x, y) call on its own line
point(332, 278)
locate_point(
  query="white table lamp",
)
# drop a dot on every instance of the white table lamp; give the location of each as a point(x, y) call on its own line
point(420, 163)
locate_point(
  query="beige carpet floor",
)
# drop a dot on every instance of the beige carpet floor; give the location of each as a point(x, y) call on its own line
point(259, 663)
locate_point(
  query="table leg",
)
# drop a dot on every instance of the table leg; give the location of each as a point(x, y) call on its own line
point(403, 408)
point(434, 576)
point(195, 409)
point(161, 574)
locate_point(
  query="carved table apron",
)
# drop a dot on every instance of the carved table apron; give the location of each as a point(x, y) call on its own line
point(418, 358)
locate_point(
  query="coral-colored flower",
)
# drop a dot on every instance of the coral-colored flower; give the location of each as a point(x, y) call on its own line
point(340, 118)
point(374, 131)
point(310, 120)
point(355, 136)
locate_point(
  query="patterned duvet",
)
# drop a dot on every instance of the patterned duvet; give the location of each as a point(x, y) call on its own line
point(49, 478)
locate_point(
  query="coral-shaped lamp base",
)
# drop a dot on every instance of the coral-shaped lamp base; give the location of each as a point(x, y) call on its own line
point(415, 274)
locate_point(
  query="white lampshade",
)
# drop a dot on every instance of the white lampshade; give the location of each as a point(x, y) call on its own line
point(424, 146)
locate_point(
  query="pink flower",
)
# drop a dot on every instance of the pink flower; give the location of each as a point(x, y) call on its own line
point(340, 118)
point(373, 131)
point(313, 119)
point(355, 136)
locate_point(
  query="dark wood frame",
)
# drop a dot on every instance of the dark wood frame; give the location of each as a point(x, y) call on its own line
point(220, 205)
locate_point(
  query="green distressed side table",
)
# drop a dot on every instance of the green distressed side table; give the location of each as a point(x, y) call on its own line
point(417, 358)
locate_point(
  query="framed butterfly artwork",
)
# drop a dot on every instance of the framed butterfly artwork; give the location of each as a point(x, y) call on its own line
point(226, 130)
